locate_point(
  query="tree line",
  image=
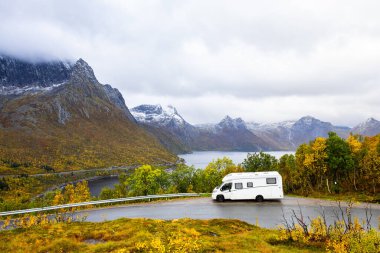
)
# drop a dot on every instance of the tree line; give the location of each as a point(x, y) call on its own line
point(333, 165)
point(328, 165)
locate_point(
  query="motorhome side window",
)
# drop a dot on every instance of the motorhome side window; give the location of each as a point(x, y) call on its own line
point(249, 184)
point(226, 187)
point(271, 180)
point(238, 186)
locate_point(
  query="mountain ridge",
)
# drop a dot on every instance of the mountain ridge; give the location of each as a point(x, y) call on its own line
point(285, 135)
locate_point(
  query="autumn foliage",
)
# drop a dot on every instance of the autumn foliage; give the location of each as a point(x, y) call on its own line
point(333, 165)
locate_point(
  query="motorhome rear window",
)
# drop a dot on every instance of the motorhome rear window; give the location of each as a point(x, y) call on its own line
point(238, 185)
point(249, 184)
point(271, 180)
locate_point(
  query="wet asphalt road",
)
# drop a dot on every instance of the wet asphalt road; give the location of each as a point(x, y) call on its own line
point(268, 213)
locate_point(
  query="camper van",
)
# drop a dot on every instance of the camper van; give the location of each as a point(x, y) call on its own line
point(250, 185)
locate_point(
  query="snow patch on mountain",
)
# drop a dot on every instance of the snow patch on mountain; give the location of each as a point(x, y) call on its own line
point(14, 90)
point(266, 126)
point(230, 123)
point(156, 114)
point(369, 127)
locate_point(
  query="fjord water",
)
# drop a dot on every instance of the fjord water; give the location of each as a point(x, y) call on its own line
point(202, 158)
point(97, 185)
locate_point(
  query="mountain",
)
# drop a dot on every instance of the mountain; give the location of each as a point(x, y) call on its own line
point(57, 115)
point(370, 127)
point(179, 136)
point(290, 134)
point(230, 134)
point(277, 135)
point(17, 75)
point(167, 125)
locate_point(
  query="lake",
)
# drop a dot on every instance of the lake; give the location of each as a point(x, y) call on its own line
point(97, 185)
point(202, 158)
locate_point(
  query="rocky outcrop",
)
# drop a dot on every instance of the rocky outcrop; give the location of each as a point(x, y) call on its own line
point(18, 73)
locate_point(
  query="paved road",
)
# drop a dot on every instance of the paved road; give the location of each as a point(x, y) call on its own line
point(268, 213)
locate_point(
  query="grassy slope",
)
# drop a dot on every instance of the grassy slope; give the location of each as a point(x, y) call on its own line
point(144, 235)
point(104, 139)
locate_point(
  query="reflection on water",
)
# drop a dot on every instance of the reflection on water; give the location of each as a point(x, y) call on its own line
point(202, 158)
point(97, 185)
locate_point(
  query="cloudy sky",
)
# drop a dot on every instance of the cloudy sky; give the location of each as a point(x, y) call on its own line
point(264, 61)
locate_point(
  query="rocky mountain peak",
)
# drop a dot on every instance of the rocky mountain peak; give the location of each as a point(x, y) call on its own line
point(309, 121)
point(156, 114)
point(82, 70)
point(117, 99)
point(17, 75)
point(172, 110)
point(148, 109)
point(369, 127)
point(371, 121)
point(228, 122)
point(76, 81)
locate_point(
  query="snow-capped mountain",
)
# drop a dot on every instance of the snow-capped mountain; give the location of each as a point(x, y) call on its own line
point(290, 134)
point(226, 123)
point(178, 135)
point(370, 127)
point(236, 134)
point(167, 125)
point(19, 78)
point(264, 126)
point(230, 123)
point(156, 114)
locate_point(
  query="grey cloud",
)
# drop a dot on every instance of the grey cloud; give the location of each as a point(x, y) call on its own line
point(249, 50)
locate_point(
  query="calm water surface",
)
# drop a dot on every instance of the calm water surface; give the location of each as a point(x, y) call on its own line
point(202, 158)
point(97, 185)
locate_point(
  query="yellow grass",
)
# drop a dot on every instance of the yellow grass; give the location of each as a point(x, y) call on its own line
point(146, 235)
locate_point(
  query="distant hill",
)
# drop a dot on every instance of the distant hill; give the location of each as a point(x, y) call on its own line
point(370, 127)
point(57, 116)
point(290, 134)
point(231, 134)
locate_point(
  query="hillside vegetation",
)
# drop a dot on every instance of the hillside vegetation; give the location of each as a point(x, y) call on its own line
point(80, 124)
point(145, 235)
point(81, 144)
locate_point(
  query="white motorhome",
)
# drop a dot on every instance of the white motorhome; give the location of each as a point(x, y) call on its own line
point(250, 185)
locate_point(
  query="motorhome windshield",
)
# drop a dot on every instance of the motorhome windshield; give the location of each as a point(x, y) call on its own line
point(226, 187)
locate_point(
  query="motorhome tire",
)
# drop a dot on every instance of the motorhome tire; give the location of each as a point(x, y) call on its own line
point(259, 198)
point(220, 198)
